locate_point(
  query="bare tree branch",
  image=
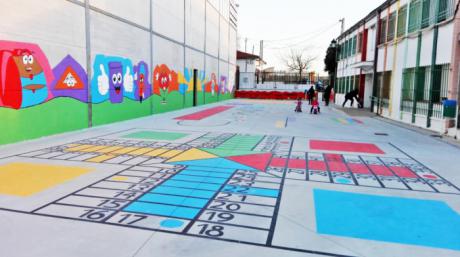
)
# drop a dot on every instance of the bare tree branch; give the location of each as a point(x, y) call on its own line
point(298, 61)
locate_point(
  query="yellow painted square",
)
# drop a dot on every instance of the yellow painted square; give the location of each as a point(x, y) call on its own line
point(26, 179)
point(78, 148)
point(156, 152)
point(141, 151)
point(171, 153)
point(101, 158)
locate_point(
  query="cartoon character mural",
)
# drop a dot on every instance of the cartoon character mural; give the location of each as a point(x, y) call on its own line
point(212, 86)
point(113, 79)
point(142, 86)
point(223, 85)
point(24, 75)
point(164, 81)
point(71, 80)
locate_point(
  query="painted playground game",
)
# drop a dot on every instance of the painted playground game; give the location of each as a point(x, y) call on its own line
point(231, 180)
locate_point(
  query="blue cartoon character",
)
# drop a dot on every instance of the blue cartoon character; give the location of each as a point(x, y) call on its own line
point(113, 78)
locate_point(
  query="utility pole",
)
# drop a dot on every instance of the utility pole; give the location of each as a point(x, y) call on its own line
point(246, 45)
point(261, 50)
point(342, 28)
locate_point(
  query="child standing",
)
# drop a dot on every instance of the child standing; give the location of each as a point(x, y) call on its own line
point(298, 107)
point(315, 106)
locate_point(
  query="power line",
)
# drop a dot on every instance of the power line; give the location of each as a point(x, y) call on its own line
point(312, 37)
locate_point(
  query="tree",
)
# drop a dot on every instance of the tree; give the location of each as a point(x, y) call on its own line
point(330, 60)
point(297, 60)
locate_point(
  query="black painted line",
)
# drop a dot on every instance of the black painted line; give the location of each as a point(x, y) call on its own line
point(232, 225)
point(372, 172)
point(189, 226)
point(307, 171)
point(394, 174)
point(412, 158)
point(421, 178)
point(349, 170)
point(187, 235)
point(278, 202)
point(328, 172)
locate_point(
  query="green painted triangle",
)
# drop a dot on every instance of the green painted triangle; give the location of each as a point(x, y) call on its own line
point(229, 152)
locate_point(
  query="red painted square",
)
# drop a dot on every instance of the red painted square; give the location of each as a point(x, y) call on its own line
point(334, 157)
point(345, 147)
point(337, 166)
point(317, 165)
point(278, 162)
point(403, 172)
point(359, 168)
point(297, 164)
point(381, 170)
point(205, 113)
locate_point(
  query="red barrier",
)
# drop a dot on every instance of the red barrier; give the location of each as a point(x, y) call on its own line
point(272, 95)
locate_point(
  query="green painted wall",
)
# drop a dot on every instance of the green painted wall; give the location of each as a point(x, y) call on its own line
point(54, 117)
point(67, 114)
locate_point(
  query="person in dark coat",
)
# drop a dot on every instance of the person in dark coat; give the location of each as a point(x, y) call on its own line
point(311, 94)
point(352, 95)
point(327, 94)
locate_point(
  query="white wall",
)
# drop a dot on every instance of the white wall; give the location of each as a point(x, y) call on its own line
point(134, 11)
point(168, 18)
point(57, 35)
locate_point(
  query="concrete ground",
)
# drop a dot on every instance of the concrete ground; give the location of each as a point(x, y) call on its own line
point(248, 178)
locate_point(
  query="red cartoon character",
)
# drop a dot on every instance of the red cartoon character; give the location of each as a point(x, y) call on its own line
point(164, 81)
point(23, 82)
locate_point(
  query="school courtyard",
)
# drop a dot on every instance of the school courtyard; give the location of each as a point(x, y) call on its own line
point(235, 178)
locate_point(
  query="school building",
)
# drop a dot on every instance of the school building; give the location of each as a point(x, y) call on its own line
point(404, 58)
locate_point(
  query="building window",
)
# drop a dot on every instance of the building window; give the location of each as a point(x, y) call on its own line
point(415, 15)
point(391, 27)
point(408, 84)
point(383, 31)
point(426, 9)
point(360, 42)
point(402, 17)
point(353, 46)
point(445, 10)
point(386, 85)
point(440, 83)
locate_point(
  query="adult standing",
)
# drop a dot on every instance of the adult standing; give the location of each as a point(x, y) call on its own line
point(311, 94)
point(327, 94)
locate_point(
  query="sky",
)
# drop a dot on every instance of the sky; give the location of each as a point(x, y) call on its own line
point(303, 25)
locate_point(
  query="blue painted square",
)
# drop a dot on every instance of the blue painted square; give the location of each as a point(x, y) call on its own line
point(390, 219)
point(200, 179)
point(174, 200)
point(192, 185)
point(205, 174)
point(163, 210)
point(183, 192)
point(251, 191)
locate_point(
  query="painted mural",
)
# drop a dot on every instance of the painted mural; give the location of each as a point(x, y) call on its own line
point(32, 92)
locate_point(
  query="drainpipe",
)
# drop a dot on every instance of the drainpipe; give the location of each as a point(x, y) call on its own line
point(433, 73)
point(416, 80)
point(454, 92)
point(376, 57)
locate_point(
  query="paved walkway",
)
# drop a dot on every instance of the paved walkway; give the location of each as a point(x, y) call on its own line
point(238, 178)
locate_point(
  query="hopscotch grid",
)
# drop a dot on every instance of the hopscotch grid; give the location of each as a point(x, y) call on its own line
point(415, 160)
point(394, 174)
point(349, 170)
point(115, 210)
point(189, 226)
point(280, 194)
point(372, 172)
point(328, 172)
